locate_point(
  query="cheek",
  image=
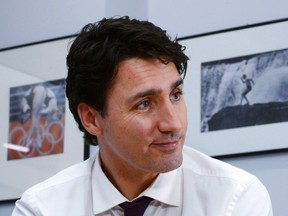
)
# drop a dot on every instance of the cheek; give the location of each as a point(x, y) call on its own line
point(183, 116)
point(138, 125)
point(137, 129)
point(132, 138)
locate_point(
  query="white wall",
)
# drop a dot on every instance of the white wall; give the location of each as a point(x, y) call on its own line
point(27, 21)
point(189, 17)
point(134, 8)
point(23, 22)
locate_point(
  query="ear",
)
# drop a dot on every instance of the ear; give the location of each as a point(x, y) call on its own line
point(90, 119)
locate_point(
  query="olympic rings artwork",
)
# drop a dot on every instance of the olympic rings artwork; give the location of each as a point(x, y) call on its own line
point(37, 119)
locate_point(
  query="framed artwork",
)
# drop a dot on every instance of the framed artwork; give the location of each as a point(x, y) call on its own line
point(36, 120)
point(38, 134)
point(236, 89)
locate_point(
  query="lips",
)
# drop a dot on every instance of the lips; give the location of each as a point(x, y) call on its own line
point(166, 145)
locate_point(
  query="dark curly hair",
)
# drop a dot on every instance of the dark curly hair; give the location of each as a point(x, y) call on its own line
point(96, 52)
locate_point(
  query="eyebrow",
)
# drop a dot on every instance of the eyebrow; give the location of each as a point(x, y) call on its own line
point(151, 92)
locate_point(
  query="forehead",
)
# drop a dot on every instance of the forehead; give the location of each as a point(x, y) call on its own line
point(144, 71)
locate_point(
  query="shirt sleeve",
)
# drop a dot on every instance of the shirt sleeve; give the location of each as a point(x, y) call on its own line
point(254, 200)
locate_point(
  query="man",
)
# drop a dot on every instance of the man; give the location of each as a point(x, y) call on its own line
point(125, 86)
point(249, 83)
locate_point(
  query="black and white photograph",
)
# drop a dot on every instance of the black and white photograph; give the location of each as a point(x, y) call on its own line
point(244, 91)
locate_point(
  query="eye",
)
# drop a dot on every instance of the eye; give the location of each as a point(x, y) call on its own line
point(143, 105)
point(176, 96)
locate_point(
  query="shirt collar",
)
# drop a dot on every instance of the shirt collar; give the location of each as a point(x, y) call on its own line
point(166, 188)
point(105, 196)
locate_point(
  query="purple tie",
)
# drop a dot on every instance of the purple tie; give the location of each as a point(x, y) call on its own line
point(136, 207)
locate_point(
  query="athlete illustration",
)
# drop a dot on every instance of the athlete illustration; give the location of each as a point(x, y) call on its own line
point(37, 102)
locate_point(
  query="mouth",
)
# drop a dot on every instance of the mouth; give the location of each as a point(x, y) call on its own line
point(166, 145)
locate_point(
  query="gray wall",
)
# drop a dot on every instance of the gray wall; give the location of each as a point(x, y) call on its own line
point(30, 21)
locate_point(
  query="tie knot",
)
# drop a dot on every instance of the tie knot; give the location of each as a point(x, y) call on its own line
point(136, 207)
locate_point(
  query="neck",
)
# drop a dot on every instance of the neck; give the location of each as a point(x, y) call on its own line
point(128, 181)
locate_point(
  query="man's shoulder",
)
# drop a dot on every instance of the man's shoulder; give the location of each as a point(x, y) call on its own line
point(68, 177)
point(235, 190)
point(203, 165)
point(69, 187)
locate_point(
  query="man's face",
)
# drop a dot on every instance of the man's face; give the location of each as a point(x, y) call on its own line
point(145, 123)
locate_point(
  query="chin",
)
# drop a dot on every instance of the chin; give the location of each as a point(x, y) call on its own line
point(171, 165)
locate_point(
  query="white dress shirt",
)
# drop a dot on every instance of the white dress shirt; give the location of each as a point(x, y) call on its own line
point(202, 186)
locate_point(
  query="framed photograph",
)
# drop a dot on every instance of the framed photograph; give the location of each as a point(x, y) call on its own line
point(236, 89)
point(39, 136)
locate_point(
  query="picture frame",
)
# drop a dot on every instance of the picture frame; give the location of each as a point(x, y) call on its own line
point(219, 124)
point(52, 140)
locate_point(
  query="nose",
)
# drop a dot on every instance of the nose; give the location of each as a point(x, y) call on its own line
point(169, 118)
